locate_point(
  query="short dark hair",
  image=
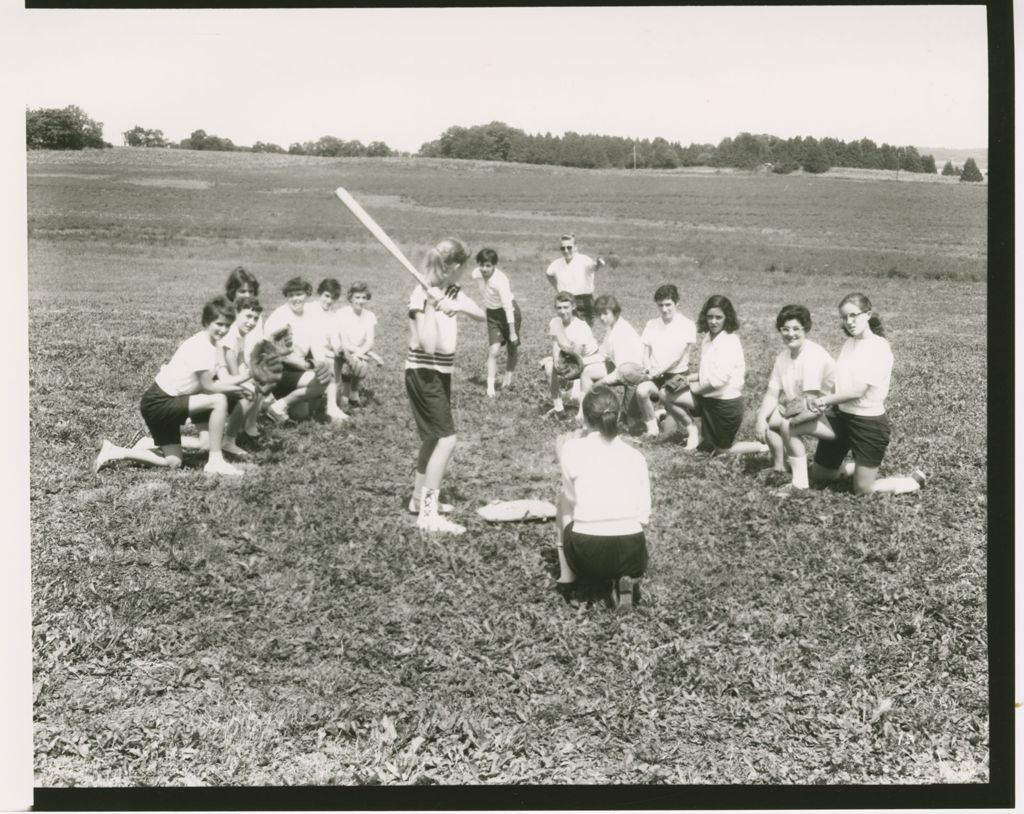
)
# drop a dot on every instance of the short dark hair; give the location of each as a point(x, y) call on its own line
point(295, 285)
point(607, 302)
point(216, 308)
point(359, 288)
point(797, 312)
point(565, 296)
point(666, 292)
point(248, 304)
point(330, 285)
point(487, 256)
point(238, 278)
point(725, 306)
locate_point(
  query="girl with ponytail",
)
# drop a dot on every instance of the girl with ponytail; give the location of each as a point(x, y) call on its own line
point(603, 505)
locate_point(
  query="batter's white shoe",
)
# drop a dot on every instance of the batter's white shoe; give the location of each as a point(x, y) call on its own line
point(435, 523)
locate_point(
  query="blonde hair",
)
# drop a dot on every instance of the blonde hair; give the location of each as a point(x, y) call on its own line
point(444, 259)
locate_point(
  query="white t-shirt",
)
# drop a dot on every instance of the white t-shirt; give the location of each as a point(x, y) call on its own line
point(623, 344)
point(576, 276)
point(320, 327)
point(352, 329)
point(722, 366)
point(180, 376)
point(302, 337)
point(495, 292)
point(865, 361)
point(576, 333)
point(609, 484)
point(443, 358)
point(666, 340)
point(812, 369)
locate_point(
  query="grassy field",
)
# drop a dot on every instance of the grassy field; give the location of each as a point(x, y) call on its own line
point(294, 628)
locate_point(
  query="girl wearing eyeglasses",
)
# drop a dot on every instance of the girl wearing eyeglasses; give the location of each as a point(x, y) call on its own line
point(863, 375)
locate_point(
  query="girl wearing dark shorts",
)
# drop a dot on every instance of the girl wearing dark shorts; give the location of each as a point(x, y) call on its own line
point(856, 410)
point(716, 390)
point(603, 505)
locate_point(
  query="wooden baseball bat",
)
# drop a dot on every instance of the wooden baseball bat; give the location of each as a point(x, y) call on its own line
point(382, 237)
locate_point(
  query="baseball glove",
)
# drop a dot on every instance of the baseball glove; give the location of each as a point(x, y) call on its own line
point(798, 410)
point(569, 365)
point(267, 365)
point(632, 373)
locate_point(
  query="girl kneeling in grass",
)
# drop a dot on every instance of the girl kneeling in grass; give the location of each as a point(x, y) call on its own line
point(433, 332)
point(863, 376)
point(716, 390)
point(185, 388)
point(802, 372)
point(603, 505)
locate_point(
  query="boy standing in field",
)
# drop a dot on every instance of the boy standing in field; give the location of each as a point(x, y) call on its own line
point(428, 377)
point(503, 316)
point(306, 370)
point(574, 272)
point(184, 388)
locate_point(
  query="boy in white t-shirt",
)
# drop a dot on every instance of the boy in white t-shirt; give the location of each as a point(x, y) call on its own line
point(668, 340)
point(307, 371)
point(185, 388)
point(503, 317)
point(574, 272)
point(571, 335)
point(352, 340)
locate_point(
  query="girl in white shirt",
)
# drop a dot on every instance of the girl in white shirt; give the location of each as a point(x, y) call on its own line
point(803, 371)
point(353, 339)
point(503, 316)
point(863, 374)
point(603, 505)
point(716, 390)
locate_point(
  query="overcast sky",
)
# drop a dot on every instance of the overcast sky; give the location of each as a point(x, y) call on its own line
point(905, 74)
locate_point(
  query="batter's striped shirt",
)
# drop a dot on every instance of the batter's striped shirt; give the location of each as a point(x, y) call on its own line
point(441, 359)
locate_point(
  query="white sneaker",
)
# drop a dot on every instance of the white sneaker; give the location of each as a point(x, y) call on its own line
point(104, 457)
point(222, 468)
point(435, 523)
point(442, 508)
point(278, 411)
point(338, 416)
point(847, 469)
point(692, 439)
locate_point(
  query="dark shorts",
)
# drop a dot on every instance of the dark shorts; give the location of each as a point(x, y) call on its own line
point(165, 414)
point(720, 420)
point(595, 558)
point(430, 396)
point(867, 436)
point(497, 324)
point(672, 382)
point(585, 307)
point(289, 381)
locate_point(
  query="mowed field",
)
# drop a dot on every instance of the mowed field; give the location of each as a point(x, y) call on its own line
point(293, 627)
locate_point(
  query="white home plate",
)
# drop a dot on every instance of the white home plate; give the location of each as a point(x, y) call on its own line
point(506, 511)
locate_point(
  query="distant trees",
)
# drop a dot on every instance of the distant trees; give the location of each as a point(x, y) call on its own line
point(333, 147)
point(201, 140)
point(141, 137)
point(949, 169)
point(265, 147)
point(67, 128)
point(971, 172)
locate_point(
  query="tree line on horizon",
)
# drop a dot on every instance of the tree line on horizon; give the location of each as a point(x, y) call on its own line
point(71, 129)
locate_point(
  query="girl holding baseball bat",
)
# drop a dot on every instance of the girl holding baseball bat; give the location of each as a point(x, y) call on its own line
point(856, 410)
point(603, 505)
point(803, 370)
point(433, 331)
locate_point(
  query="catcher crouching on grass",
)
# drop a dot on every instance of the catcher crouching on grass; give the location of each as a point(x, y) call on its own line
point(503, 317)
point(185, 388)
point(433, 331)
point(602, 506)
point(574, 352)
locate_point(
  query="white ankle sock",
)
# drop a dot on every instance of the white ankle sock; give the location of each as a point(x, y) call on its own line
point(798, 466)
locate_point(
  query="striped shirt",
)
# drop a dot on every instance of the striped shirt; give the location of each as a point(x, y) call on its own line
point(443, 357)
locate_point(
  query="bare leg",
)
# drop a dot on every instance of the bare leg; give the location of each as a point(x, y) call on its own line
point(510, 364)
point(492, 367)
point(109, 453)
point(645, 391)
